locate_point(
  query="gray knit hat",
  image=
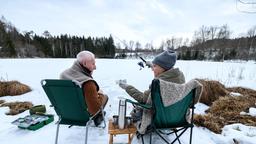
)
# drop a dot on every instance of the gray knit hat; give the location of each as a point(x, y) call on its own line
point(166, 59)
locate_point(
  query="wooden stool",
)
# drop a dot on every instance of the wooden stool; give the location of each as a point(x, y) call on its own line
point(114, 130)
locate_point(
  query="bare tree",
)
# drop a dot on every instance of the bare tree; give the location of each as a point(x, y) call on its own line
point(162, 45)
point(201, 35)
point(172, 43)
point(179, 42)
point(252, 31)
point(224, 32)
point(148, 46)
point(213, 30)
point(252, 35)
point(137, 47)
point(169, 43)
point(131, 43)
point(186, 42)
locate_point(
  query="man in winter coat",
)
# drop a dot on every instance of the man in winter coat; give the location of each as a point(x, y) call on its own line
point(81, 71)
point(163, 68)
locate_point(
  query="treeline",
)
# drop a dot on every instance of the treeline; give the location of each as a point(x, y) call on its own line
point(208, 43)
point(214, 43)
point(221, 49)
point(27, 44)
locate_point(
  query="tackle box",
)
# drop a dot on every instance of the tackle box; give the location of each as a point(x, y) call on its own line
point(33, 122)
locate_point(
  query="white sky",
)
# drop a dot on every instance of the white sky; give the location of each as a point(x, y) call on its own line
point(137, 20)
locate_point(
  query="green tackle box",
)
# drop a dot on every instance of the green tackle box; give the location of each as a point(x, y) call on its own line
point(33, 122)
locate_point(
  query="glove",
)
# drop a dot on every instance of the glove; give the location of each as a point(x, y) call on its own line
point(149, 64)
point(123, 85)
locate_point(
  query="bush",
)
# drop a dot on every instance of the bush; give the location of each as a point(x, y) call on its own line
point(13, 88)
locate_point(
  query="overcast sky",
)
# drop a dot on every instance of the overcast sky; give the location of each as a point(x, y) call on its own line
point(137, 20)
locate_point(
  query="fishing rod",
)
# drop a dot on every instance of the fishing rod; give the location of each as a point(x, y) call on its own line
point(148, 64)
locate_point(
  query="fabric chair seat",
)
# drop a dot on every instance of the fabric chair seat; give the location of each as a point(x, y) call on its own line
point(66, 96)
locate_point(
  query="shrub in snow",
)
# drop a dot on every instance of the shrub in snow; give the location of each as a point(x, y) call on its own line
point(17, 107)
point(13, 88)
point(212, 90)
point(227, 110)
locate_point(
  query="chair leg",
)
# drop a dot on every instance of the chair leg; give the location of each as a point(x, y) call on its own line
point(150, 138)
point(86, 133)
point(191, 132)
point(177, 136)
point(161, 137)
point(142, 139)
point(57, 132)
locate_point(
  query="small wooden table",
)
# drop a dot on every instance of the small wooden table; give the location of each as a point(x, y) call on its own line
point(114, 130)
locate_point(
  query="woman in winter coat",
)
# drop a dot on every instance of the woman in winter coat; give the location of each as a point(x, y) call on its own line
point(163, 68)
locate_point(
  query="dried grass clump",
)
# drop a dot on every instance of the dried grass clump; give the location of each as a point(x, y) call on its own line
point(226, 110)
point(212, 90)
point(243, 91)
point(13, 88)
point(17, 107)
point(209, 121)
point(230, 106)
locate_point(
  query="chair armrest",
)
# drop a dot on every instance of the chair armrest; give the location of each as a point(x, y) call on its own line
point(146, 106)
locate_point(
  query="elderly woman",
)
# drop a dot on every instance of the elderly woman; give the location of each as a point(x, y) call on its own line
point(163, 68)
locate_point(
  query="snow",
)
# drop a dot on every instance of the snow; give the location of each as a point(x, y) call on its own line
point(252, 111)
point(201, 108)
point(240, 133)
point(234, 94)
point(108, 72)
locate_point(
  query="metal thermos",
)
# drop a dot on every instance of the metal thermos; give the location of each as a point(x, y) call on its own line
point(121, 113)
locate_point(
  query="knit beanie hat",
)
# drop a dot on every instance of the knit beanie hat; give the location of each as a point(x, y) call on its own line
point(166, 59)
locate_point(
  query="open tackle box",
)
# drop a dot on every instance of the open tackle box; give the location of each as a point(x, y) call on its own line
point(33, 122)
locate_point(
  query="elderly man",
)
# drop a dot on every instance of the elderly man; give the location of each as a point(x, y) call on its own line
point(81, 71)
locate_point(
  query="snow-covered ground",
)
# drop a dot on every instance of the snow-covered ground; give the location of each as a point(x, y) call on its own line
point(32, 71)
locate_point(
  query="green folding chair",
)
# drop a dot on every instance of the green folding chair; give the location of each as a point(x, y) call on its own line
point(171, 118)
point(67, 98)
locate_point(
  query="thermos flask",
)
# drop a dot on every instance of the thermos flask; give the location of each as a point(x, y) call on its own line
point(121, 113)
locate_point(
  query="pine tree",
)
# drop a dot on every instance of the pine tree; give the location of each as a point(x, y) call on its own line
point(9, 47)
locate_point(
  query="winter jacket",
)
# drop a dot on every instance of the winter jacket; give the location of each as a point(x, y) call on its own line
point(93, 99)
point(172, 75)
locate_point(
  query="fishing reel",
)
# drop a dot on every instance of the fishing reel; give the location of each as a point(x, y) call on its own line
point(141, 65)
point(147, 63)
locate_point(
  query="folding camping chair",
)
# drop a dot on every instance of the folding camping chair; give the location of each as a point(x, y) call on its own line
point(67, 98)
point(172, 118)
